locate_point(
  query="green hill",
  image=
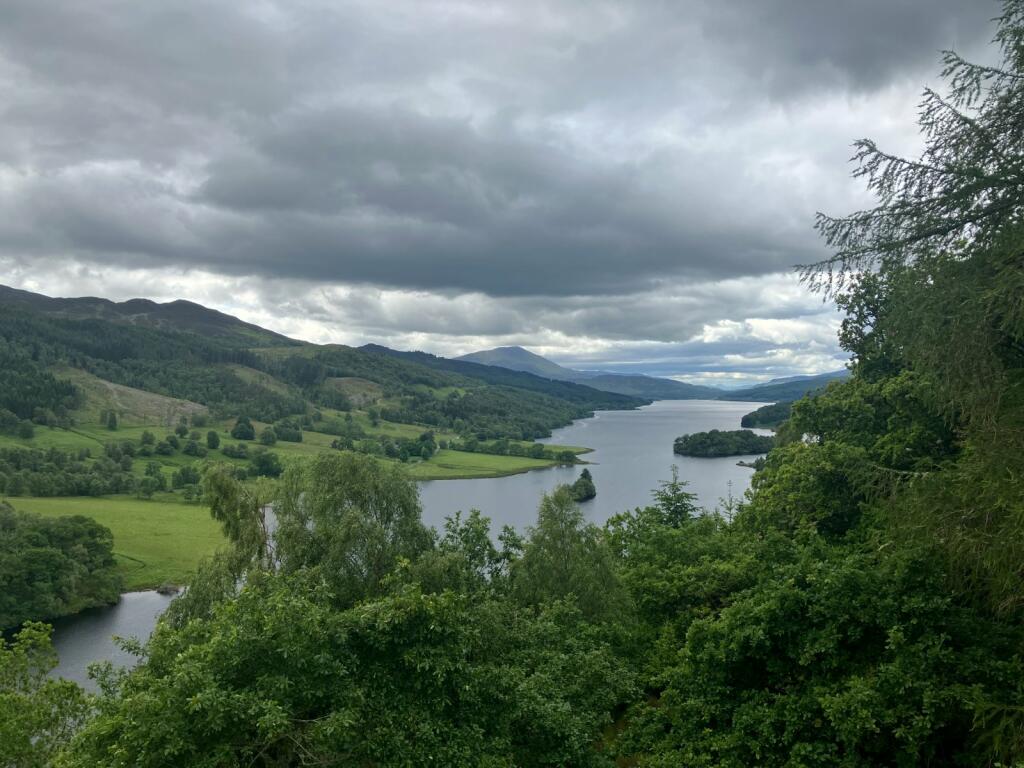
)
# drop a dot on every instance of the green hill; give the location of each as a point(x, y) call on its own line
point(185, 352)
point(633, 385)
point(788, 389)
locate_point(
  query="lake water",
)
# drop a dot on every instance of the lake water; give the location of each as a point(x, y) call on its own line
point(632, 455)
point(88, 636)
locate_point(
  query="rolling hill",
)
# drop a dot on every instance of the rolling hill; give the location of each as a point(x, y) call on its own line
point(635, 385)
point(72, 359)
point(173, 316)
point(783, 390)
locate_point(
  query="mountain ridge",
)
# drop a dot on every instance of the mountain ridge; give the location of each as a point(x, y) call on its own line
point(179, 314)
point(637, 385)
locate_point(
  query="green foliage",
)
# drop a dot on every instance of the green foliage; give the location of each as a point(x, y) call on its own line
point(38, 715)
point(212, 440)
point(834, 657)
point(767, 416)
point(50, 567)
point(351, 518)
point(566, 558)
point(25, 471)
point(263, 463)
point(409, 679)
point(738, 442)
point(243, 429)
point(583, 489)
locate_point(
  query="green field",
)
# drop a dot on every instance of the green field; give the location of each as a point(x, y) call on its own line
point(451, 465)
point(155, 541)
point(444, 465)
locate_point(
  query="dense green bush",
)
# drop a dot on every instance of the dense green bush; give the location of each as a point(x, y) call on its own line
point(51, 567)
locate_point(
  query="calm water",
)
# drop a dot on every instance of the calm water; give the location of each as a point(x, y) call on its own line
point(88, 636)
point(632, 455)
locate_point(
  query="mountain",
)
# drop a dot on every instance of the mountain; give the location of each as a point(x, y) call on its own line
point(654, 387)
point(786, 389)
point(175, 316)
point(635, 385)
point(519, 359)
point(61, 357)
point(501, 376)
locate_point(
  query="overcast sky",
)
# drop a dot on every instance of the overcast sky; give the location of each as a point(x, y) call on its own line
point(621, 185)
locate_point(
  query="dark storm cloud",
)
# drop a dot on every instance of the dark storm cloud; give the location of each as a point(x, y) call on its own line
point(509, 148)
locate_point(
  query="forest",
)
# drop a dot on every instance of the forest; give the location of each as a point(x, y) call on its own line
point(719, 442)
point(767, 416)
point(863, 606)
point(53, 567)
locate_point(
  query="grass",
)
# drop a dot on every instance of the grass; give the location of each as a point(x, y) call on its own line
point(446, 464)
point(134, 406)
point(452, 465)
point(155, 541)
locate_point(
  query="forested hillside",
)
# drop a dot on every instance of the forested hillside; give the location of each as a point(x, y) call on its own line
point(172, 351)
point(784, 391)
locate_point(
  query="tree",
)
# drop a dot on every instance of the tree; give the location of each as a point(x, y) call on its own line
point(153, 469)
point(566, 558)
point(187, 475)
point(351, 517)
point(243, 429)
point(264, 463)
point(583, 489)
point(112, 421)
point(147, 486)
point(967, 185)
point(268, 436)
point(148, 438)
point(192, 448)
point(212, 440)
point(405, 679)
point(38, 714)
point(53, 566)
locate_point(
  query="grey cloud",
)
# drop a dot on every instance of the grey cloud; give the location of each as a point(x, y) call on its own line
point(510, 148)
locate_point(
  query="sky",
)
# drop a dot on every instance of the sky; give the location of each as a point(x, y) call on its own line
point(620, 185)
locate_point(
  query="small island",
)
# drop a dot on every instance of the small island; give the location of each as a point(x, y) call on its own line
point(583, 489)
point(716, 443)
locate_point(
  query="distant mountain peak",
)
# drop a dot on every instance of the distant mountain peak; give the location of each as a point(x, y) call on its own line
point(521, 359)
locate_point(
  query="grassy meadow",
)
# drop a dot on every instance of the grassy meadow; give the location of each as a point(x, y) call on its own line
point(155, 541)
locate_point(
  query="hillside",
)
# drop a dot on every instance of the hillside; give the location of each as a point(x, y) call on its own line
point(174, 316)
point(652, 387)
point(780, 390)
point(634, 385)
point(519, 359)
point(71, 358)
point(501, 376)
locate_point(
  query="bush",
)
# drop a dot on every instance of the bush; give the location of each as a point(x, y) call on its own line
point(243, 429)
